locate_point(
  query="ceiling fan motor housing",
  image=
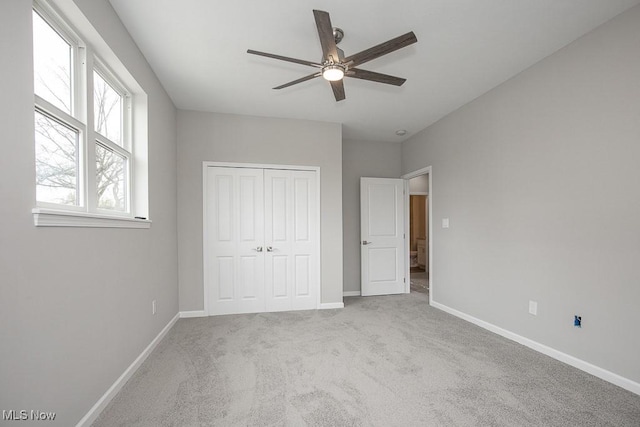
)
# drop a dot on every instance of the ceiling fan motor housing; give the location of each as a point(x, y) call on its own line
point(338, 34)
point(337, 60)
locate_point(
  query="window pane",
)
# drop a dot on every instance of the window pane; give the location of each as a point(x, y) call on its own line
point(107, 106)
point(56, 161)
point(52, 65)
point(111, 179)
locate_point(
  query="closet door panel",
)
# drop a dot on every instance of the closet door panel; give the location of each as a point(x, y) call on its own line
point(278, 205)
point(225, 279)
point(279, 281)
point(302, 275)
point(219, 236)
point(304, 245)
point(235, 204)
point(250, 258)
point(248, 278)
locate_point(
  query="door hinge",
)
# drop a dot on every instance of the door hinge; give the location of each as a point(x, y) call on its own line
point(404, 280)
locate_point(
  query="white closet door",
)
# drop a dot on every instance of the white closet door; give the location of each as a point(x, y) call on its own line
point(291, 257)
point(235, 239)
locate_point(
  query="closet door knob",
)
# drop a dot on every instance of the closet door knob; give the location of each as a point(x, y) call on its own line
point(269, 249)
point(364, 242)
point(258, 249)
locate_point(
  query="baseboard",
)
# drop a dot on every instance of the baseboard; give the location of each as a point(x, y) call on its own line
point(330, 305)
point(189, 314)
point(102, 403)
point(351, 294)
point(594, 370)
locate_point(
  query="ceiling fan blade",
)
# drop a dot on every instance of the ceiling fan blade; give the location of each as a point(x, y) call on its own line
point(375, 77)
point(381, 49)
point(338, 89)
point(300, 80)
point(285, 58)
point(325, 32)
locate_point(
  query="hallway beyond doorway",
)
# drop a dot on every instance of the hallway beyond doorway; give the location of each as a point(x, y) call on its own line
point(419, 280)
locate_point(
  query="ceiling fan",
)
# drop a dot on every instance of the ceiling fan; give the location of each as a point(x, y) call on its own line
point(334, 65)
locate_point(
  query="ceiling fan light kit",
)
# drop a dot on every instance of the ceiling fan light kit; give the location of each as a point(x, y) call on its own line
point(333, 73)
point(335, 66)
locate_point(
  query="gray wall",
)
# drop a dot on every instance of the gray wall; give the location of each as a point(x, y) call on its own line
point(368, 159)
point(244, 139)
point(68, 329)
point(539, 178)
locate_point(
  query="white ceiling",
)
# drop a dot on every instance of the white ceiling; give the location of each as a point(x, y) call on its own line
point(465, 48)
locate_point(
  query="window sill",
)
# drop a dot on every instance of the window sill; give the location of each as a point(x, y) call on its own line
point(56, 218)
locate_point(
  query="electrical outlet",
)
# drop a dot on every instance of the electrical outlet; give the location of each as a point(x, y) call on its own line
point(153, 307)
point(445, 222)
point(577, 321)
point(533, 308)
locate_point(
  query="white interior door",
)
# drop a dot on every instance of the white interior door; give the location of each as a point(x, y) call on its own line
point(291, 257)
point(382, 236)
point(261, 241)
point(235, 240)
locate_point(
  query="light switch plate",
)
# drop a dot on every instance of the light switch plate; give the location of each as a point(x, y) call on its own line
point(445, 222)
point(533, 308)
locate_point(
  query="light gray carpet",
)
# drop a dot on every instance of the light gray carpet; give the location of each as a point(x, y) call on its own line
point(380, 361)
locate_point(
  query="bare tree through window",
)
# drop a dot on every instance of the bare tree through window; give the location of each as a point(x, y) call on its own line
point(57, 144)
point(56, 161)
point(110, 166)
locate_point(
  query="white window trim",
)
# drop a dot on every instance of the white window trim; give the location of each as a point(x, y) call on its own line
point(87, 214)
point(57, 218)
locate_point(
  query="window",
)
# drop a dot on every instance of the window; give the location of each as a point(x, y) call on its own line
point(57, 147)
point(112, 154)
point(57, 136)
point(84, 145)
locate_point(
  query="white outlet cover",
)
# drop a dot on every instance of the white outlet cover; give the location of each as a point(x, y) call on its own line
point(533, 308)
point(445, 222)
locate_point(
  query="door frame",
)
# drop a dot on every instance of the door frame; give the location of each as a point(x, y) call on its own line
point(424, 171)
point(205, 249)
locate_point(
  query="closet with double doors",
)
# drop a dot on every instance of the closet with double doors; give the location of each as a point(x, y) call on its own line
point(261, 239)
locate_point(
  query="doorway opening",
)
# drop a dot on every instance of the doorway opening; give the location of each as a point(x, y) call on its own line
point(418, 238)
point(418, 202)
